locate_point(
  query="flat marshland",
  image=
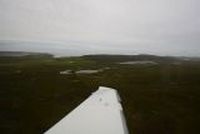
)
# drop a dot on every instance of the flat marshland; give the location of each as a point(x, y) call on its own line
point(161, 96)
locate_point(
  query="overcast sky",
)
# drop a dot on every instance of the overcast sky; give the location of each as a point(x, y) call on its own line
point(163, 27)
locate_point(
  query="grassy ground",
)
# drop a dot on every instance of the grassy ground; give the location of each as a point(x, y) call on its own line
point(157, 99)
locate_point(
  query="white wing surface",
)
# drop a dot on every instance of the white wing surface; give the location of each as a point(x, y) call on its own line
point(101, 113)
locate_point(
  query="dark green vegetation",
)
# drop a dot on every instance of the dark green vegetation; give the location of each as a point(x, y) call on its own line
point(157, 99)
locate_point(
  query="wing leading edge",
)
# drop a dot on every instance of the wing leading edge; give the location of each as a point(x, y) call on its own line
point(101, 113)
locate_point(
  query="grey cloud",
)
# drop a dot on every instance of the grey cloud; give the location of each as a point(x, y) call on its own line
point(168, 27)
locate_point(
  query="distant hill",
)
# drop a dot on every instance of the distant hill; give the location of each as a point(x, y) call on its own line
point(142, 57)
point(23, 54)
point(100, 57)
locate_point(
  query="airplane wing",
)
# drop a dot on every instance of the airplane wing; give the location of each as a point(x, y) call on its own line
point(101, 113)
